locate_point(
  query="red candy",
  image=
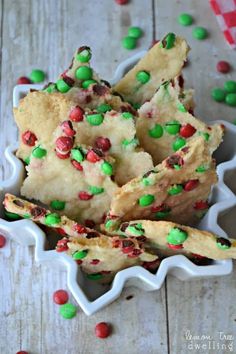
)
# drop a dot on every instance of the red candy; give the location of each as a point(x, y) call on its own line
point(22, 352)
point(77, 165)
point(127, 246)
point(79, 228)
point(64, 143)
point(61, 231)
point(2, 241)
point(60, 297)
point(85, 196)
point(103, 143)
point(174, 247)
point(92, 156)
point(77, 114)
point(223, 67)
point(23, 80)
point(29, 138)
point(67, 128)
point(62, 156)
point(102, 330)
point(94, 261)
point(62, 245)
point(201, 205)
point(190, 185)
point(187, 130)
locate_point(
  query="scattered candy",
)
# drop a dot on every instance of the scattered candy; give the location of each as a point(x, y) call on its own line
point(2, 241)
point(60, 297)
point(22, 352)
point(230, 86)
point(218, 94)
point(185, 19)
point(200, 33)
point(102, 330)
point(230, 99)
point(23, 80)
point(223, 67)
point(67, 311)
point(122, 2)
point(37, 76)
point(135, 32)
point(129, 42)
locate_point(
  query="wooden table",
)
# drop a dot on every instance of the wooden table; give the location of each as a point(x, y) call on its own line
point(44, 34)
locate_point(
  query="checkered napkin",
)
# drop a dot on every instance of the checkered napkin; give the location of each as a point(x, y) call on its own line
point(225, 11)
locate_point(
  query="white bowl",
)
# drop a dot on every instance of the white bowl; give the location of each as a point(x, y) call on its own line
point(90, 296)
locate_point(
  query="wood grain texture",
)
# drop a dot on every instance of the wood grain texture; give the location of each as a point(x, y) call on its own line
point(44, 34)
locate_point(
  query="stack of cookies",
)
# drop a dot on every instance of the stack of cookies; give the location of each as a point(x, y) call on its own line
point(128, 164)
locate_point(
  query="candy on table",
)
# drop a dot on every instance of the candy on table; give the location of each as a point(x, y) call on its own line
point(230, 99)
point(129, 42)
point(170, 190)
point(185, 19)
point(2, 241)
point(165, 58)
point(122, 2)
point(23, 80)
point(164, 125)
point(99, 256)
point(179, 239)
point(102, 330)
point(225, 12)
point(22, 352)
point(200, 33)
point(68, 311)
point(223, 67)
point(135, 32)
point(218, 94)
point(37, 76)
point(60, 297)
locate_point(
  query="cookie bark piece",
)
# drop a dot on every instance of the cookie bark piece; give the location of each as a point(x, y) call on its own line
point(167, 113)
point(171, 190)
point(82, 185)
point(95, 252)
point(161, 63)
point(164, 235)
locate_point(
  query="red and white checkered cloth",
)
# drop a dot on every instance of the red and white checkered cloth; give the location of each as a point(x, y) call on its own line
point(225, 11)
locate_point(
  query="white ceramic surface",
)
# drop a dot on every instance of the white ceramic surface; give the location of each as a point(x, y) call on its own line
point(90, 296)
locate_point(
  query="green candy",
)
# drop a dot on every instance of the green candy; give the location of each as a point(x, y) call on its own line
point(185, 19)
point(84, 56)
point(107, 168)
point(96, 190)
point(135, 230)
point(37, 76)
point(143, 77)
point(133, 142)
point(11, 216)
point(223, 243)
point(146, 181)
point(176, 236)
point(57, 204)
point(68, 311)
point(206, 136)
point(230, 86)
point(162, 214)
point(103, 108)
point(129, 42)
point(127, 115)
point(172, 127)
point(39, 152)
point(84, 73)
point(79, 254)
point(176, 189)
point(27, 160)
point(181, 107)
point(51, 88)
point(52, 219)
point(169, 41)
point(146, 200)
point(135, 105)
point(201, 169)
point(85, 84)
point(62, 86)
point(156, 132)
point(110, 224)
point(94, 119)
point(135, 32)
point(218, 94)
point(95, 276)
point(26, 216)
point(200, 33)
point(178, 144)
point(231, 99)
point(77, 154)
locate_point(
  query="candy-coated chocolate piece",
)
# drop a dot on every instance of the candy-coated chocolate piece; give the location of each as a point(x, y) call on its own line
point(186, 131)
point(129, 42)
point(39, 152)
point(102, 330)
point(143, 77)
point(79, 254)
point(22, 352)
point(23, 80)
point(2, 241)
point(95, 276)
point(50, 88)
point(190, 185)
point(223, 243)
point(172, 127)
point(223, 67)
point(96, 190)
point(103, 143)
point(201, 205)
point(169, 41)
point(84, 73)
point(146, 200)
point(77, 154)
point(230, 86)
point(218, 94)
point(178, 144)
point(185, 19)
point(104, 107)
point(57, 204)
point(107, 168)
point(62, 86)
point(85, 84)
point(84, 54)
point(60, 297)
point(127, 115)
point(76, 114)
point(37, 76)
point(230, 99)
point(156, 132)
point(95, 119)
point(64, 143)
point(68, 311)
point(200, 33)
point(67, 128)
point(29, 138)
point(176, 236)
point(135, 32)
point(176, 189)
point(122, 2)
point(52, 219)
point(93, 156)
point(85, 196)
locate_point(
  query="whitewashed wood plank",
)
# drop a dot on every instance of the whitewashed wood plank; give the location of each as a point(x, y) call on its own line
point(202, 307)
point(44, 34)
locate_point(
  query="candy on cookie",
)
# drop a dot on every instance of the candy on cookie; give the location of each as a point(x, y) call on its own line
point(164, 124)
point(173, 190)
point(98, 255)
point(163, 62)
